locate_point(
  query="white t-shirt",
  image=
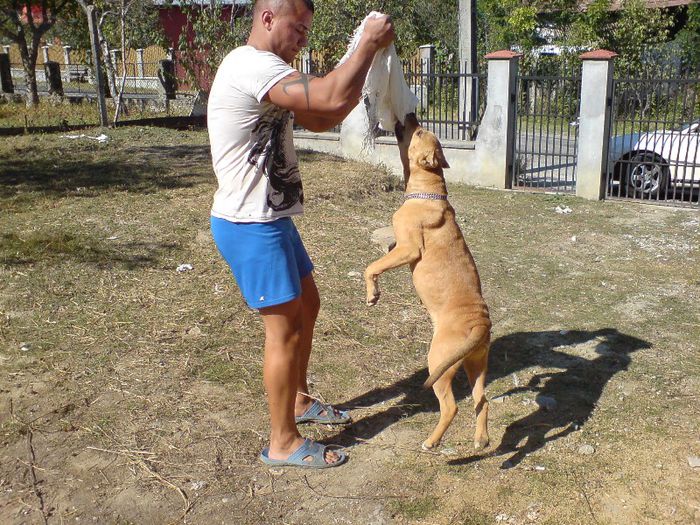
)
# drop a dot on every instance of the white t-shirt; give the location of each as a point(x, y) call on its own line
point(251, 141)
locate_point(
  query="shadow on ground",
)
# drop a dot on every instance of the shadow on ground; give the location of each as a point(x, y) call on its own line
point(131, 169)
point(576, 388)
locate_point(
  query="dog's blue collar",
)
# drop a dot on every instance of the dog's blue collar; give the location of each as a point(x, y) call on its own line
point(429, 196)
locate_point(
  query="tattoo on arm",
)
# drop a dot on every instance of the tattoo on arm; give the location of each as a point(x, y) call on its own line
point(304, 80)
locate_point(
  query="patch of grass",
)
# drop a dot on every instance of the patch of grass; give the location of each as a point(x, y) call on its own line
point(39, 245)
point(169, 364)
point(70, 112)
point(414, 509)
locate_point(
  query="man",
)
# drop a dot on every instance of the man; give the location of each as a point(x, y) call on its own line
point(254, 97)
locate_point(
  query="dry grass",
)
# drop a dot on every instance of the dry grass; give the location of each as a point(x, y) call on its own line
point(132, 393)
point(74, 112)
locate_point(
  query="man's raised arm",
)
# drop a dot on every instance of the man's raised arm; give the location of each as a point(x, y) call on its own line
point(321, 103)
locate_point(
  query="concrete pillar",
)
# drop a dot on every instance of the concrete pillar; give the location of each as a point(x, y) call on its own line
point(116, 54)
point(66, 62)
point(427, 60)
point(52, 70)
point(594, 123)
point(494, 144)
point(45, 53)
point(139, 63)
point(6, 85)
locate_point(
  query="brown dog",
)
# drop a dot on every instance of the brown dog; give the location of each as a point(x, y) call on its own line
point(444, 275)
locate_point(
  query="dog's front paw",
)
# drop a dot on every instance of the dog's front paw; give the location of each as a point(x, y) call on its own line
point(372, 298)
point(429, 445)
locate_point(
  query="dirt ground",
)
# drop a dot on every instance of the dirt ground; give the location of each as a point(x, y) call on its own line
point(131, 392)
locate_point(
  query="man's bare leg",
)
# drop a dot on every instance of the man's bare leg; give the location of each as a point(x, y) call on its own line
point(281, 365)
point(310, 304)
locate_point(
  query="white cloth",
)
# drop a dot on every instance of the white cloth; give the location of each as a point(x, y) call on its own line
point(252, 146)
point(387, 97)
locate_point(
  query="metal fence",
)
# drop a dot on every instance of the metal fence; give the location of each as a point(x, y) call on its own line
point(77, 75)
point(546, 134)
point(654, 152)
point(442, 92)
point(443, 98)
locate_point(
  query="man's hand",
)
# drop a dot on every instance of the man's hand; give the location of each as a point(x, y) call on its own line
point(379, 32)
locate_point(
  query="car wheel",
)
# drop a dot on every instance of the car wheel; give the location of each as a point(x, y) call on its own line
point(646, 175)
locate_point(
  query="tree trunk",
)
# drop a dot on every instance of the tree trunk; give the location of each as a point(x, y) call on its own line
point(120, 107)
point(29, 65)
point(109, 65)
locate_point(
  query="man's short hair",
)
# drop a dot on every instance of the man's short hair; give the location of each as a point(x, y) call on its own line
point(276, 4)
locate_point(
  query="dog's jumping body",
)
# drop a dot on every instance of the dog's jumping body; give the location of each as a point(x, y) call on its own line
point(444, 275)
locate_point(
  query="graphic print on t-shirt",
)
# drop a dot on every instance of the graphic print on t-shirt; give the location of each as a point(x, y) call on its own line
point(285, 188)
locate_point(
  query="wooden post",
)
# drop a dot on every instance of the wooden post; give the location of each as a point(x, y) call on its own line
point(167, 78)
point(6, 85)
point(52, 70)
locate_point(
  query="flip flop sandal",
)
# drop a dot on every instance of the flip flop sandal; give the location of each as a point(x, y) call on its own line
point(300, 457)
point(332, 416)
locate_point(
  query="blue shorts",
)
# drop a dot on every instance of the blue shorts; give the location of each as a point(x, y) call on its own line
point(267, 259)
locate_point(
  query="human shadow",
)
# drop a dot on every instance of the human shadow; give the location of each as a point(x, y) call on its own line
point(586, 359)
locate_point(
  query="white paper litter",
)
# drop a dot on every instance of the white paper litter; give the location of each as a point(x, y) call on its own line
point(184, 268)
point(563, 209)
point(101, 138)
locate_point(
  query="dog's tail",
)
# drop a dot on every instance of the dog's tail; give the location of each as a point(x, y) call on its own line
point(477, 337)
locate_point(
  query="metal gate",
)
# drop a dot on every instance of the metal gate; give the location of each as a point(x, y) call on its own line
point(546, 129)
point(654, 143)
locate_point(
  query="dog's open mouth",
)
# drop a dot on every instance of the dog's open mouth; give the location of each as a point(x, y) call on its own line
point(400, 127)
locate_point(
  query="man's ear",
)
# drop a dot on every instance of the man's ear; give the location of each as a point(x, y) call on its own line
point(267, 16)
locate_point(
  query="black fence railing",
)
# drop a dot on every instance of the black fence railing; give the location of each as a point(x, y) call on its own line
point(654, 145)
point(443, 92)
point(546, 129)
point(451, 102)
point(78, 79)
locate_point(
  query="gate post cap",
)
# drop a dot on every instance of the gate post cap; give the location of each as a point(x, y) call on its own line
point(504, 54)
point(598, 54)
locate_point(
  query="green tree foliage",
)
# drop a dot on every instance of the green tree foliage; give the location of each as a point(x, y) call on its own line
point(143, 24)
point(635, 31)
point(688, 38)
point(416, 23)
point(24, 23)
point(210, 38)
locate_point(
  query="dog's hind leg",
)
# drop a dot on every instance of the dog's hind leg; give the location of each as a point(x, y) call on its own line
point(448, 407)
point(442, 344)
point(476, 366)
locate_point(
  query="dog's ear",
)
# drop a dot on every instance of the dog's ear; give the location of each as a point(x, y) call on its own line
point(428, 161)
point(434, 159)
